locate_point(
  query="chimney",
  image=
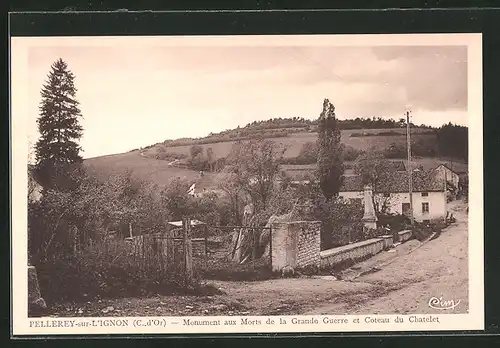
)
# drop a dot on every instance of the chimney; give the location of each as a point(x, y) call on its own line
point(369, 217)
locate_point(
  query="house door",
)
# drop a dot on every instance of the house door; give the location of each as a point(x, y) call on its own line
point(405, 209)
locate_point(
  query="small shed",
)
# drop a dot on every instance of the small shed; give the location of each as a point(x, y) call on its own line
point(198, 228)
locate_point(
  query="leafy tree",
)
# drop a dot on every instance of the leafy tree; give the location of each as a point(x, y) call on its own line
point(376, 171)
point(228, 183)
point(176, 199)
point(195, 150)
point(308, 153)
point(57, 149)
point(256, 165)
point(330, 162)
point(210, 158)
point(453, 141)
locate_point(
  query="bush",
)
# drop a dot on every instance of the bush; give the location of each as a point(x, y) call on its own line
point(351, 153)
point(64, 229)
point(340, 221)
point(421, 232)
point(395, 151)
point(108, 270)
point(309, 154)
point(168, 156)
point(396, 222)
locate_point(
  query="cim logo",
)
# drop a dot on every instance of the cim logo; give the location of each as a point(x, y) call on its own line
point(439, 303)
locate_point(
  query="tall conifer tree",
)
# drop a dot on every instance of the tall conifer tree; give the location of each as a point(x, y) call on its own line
point(57, 149)
point(330, 163)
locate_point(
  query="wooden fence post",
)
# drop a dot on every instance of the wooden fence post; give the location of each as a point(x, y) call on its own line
point(206, 245)
point(169, 247)
point(271, 247)
point(188, 252)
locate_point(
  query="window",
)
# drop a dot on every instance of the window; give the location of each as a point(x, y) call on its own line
point(425, 208)
point(405, 208)
point(425, 194)
point(387, 195)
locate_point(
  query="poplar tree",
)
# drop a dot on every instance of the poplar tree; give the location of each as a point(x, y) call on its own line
point(57, 149)
point(330, 162)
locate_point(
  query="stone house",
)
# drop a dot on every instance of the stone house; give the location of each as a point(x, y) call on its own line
point(445, 173)
point(428, 194)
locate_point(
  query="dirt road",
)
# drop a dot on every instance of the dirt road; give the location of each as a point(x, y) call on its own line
point(438, 268)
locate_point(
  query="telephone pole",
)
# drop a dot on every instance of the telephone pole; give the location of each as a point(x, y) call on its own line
point(410, 169)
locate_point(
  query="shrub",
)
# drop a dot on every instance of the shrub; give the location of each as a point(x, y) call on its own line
point(168, 156)
point(396, 222)
point(340, 219)
point(421, 232)
point(107, 270)
point(351, 153)
point(68, 241)
point(395, 151)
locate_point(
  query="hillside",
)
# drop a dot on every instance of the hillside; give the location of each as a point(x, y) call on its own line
point(147, 169)
point(162, 162)
point(144, 165)
point(360, 139)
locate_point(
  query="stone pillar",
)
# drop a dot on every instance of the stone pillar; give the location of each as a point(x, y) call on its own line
point(35, 300)
point(369, 217)
point(295, 244)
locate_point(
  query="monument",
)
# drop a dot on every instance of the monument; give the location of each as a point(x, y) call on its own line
point(369, 218)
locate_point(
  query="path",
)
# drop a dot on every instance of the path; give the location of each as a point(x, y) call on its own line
point(439, 268)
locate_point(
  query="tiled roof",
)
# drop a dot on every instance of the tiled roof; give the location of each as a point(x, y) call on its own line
point(432, 164)
point(447, 167)
point(421, 181)
point(352, 183)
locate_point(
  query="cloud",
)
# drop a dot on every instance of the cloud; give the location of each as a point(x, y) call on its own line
point(148, 94)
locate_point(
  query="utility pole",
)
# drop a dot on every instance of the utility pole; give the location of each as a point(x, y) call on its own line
point(410, 169)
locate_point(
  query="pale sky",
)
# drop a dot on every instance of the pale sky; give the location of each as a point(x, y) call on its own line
point(136, 95)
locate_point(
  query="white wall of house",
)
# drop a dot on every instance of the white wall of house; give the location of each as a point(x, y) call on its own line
point(443, 172)
point(435, 204)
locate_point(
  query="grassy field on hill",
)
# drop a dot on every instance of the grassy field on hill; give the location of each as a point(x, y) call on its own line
point(294, 141)
point(145, 167)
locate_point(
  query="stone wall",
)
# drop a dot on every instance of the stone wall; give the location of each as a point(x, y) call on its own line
point(309, 244)
point(403, 236)
point(295, 244)
point(388, 241)
point(355, 251)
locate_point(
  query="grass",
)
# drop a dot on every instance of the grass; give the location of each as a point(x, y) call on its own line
point(145, 167)
point(294, 141)
point(148, 169)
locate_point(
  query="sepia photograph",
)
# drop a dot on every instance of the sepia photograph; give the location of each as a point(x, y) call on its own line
point(208, 180)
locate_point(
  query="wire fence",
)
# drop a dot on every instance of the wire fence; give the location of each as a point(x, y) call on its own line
point(235, 253)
